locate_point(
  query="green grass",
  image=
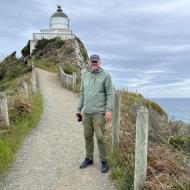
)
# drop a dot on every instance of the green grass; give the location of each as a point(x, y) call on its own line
point(69, 69)
point(11, 85)
point(11, 141)
point(10, 69)
point(152, 105)
point(120, 171)
point(186, 186)
point(47, 64)
point(181, 143)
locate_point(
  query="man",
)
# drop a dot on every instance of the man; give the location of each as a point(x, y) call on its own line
point(96, 101)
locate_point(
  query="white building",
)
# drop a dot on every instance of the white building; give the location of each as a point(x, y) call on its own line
point(59, 27)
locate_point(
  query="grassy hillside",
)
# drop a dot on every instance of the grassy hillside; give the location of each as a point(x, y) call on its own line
point(24, 113)
point(10, 69)
point(168, 156)
point(49, 53)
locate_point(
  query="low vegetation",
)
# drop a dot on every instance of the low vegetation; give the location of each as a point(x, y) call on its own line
point(10, 69)
point(24, 113)
point(168, 157)
point(24, 117)
point(48, 54)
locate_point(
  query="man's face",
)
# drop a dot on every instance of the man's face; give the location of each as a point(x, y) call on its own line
point(94, 65)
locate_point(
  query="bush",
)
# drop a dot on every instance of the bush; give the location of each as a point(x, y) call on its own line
point(180, 143)
point(41, 44)
point(11, 68)
point(26, 50)
point(10, 58)
point(2, 71)
point(54, 44)
point(19, 107)
point(69, 69)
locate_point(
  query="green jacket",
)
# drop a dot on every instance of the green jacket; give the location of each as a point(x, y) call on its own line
point(96, 92)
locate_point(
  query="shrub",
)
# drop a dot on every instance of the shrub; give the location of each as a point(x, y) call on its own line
point(180, 143)
point(69, 69)
point(11, 68)
point(19, 107)
point(26, 50)
point(10, 58)
point(41, 44)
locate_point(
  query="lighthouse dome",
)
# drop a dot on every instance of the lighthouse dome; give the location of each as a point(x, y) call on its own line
point(59, 20)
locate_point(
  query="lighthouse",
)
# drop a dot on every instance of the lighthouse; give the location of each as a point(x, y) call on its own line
point(58, 27)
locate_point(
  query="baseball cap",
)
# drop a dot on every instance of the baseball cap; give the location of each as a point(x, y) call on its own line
point(94, 57)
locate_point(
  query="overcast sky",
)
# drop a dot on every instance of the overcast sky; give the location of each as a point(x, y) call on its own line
point(144, 44)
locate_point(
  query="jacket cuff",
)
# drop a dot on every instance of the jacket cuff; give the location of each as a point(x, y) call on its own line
point(109, 110)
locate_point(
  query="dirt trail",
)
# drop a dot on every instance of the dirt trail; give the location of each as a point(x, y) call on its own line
point(50, 156)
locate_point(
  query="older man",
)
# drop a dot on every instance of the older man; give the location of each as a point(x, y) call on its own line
point(95, 106)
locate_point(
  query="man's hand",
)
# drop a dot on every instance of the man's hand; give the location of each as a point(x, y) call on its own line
point(108, 116)
point(79, 116)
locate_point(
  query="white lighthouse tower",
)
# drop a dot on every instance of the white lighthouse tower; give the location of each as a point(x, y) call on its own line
point(58, 27)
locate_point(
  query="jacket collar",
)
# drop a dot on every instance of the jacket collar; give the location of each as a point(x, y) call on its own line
point(100, 69)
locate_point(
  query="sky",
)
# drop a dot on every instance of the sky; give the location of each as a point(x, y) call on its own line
point(143, 44)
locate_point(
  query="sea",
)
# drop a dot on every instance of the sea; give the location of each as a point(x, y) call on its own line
point(176, 108)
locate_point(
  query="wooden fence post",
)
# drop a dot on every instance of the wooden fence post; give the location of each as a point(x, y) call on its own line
point(74, 81)
point(33, 79)
point(141, 147)
point(116, 121)
point(4, 108)
point(25, 86)
point(66, 82)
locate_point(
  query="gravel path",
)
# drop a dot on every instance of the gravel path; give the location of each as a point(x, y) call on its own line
point(50, 155)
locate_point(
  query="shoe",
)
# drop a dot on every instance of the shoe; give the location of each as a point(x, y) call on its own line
point(86, 163)
point(105, 167)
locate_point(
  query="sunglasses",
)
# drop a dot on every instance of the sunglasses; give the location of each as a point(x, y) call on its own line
point(94, 61)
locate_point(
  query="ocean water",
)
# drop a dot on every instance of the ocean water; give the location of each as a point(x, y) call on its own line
point(176, 108)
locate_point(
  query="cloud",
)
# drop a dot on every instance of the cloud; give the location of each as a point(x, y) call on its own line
point(117, 69)
point(143, 44)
